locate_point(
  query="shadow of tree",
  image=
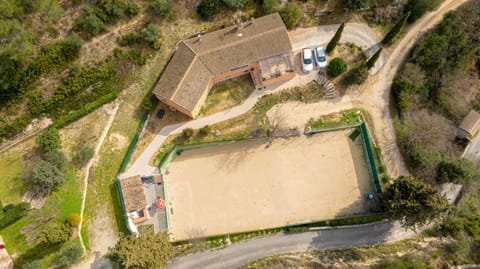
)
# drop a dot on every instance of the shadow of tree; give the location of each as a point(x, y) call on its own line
point(36, 253)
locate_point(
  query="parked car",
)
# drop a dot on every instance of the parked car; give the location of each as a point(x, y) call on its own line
point(307, 61)
point(160, 114)
point(320, 57)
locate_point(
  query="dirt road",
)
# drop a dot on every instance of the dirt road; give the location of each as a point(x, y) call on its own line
point(374, 97)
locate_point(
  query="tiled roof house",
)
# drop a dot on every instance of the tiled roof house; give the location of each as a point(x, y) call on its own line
point(259, 47)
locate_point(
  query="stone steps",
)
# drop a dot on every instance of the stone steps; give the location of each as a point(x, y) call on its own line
point(328, 85)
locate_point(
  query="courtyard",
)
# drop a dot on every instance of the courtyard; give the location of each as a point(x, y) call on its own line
point(259, 184)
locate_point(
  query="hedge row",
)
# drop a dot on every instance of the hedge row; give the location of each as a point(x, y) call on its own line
point(65, 120)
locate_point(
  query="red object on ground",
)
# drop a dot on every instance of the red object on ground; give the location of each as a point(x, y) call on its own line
point(2, 246)
point(160, 203)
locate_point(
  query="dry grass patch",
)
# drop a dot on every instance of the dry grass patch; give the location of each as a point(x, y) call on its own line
point(227, 94)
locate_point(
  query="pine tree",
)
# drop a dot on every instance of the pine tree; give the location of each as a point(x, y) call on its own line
point(333, 43)
point(371, 62)
point(388, 39)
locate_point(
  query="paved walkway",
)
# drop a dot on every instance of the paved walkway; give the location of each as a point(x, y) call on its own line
point(359, 34)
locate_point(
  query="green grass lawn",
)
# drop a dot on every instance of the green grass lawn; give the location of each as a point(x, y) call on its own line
point(12, 187)
point(19, 237)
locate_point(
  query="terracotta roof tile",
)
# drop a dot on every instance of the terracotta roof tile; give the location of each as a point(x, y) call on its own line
point(132, 193)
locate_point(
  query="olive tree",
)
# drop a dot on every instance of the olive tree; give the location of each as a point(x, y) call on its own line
point(142, 252)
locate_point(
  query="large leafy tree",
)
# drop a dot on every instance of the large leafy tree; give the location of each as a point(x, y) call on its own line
point(142, 252)
point(69, 255)
point(46, 175)
point(57, 158)
point(54, 233)
point(413, 202)
point(49, 140)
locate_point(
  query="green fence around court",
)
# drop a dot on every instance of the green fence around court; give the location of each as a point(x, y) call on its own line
point(371, 156)
point(178, 149)
point(171, 155)
point(367, 143)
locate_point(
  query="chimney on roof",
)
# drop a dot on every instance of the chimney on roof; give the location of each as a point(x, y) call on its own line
point(239, 27)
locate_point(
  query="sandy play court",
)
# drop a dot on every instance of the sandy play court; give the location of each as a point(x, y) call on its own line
point(249, 186)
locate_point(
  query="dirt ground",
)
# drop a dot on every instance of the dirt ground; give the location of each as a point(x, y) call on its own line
point(250, 186)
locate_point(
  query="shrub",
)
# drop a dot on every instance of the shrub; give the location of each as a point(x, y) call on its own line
point(69, 255)
point(69, 118)
point(133, 56)
point(47, 175)
point(355, 4)
point(460, 247)
point(90, 24)
point(335, 39)
point(54, 233)
point(85, 153)
point(235, 3)
point(161, 7)
point(457, 171)
point(132, 9)
point(129, 39)
point(57, 158)
point(151, 34)
point(205, 130)
point(452, 226)
point(48, 140)
point(336, 67)
point(188, 133)
point(291, 15)
point(70, 47)
point(371, 62)
point(357, 75)
point(74, 220)
point(390, 36)
point(386, 179)
point(269, 6)
point(406, 261)
point(207, 9)
point(74, 70)
point(149, 103)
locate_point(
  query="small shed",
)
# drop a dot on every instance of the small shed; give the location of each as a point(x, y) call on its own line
point(5, 260)
point(469, 126)
point(133, 198)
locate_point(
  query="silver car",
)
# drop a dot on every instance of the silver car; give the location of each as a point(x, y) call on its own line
point(307, 61)
point(320, 58)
